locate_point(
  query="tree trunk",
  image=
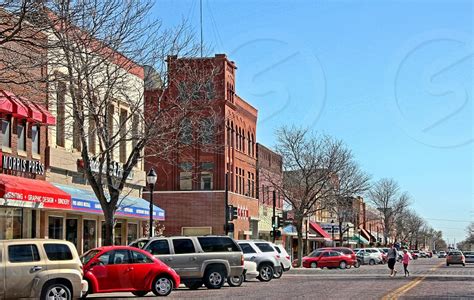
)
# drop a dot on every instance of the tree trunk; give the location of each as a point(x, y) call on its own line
point(299, 229)
point(108, 239)
point(341, 234)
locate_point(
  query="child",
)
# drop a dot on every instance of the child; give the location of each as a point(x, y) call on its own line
point(405, 260)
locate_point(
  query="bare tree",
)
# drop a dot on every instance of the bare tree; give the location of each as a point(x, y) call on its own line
point(351, 182)
point(408, 226)
point(387, 198)
point(310, 165)
point(96, 49)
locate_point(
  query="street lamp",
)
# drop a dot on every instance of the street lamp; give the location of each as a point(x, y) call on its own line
point(332, 232)
point(151, 180)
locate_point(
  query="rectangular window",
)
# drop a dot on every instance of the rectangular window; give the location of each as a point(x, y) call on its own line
point(123, 136)
point(23, 253)
point(35, 139)
point(185, 176)
point(159, 247)
point(71, 231)
point(60, 113)
point(55, 228)
point(183, 246)
point(217, 244)
point(11, 223)
point(92, 135)
point(21, 136)
point(110, 125)
point(206, 181)
point(76, 129)
point(89, 235)
point(135, 129)
point(6, 131)
point(57, 252)
point(132, 232)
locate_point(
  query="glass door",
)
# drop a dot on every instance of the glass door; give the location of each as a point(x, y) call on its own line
point(71, 231)
point(55, 228)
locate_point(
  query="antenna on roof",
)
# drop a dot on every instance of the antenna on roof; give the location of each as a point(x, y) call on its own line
point(200, 2)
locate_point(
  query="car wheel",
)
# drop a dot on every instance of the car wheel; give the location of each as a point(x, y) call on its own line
point(214, 278)
point(342, 265)
point(314, 265)
point(371, 262)
point(193, 285)
point(236, 281)
point(56, 291)
point(278, 274)
point(357, 264)
point(265, 272)
point(162, 286)
point(140, 293)
point(463, 265)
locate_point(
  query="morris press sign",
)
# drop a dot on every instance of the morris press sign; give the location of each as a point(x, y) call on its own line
point(115, 168)
point(19, 164)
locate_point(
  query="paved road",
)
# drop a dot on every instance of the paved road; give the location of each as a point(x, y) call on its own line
point(430, 279)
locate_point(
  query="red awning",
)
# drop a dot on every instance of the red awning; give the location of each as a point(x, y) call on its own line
point(19, 108)
point(315, 226)
point(33, 113)
point(25, 192)
point(48, 118)
point(5, 103)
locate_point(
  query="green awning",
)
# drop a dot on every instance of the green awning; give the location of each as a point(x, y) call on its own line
point(360, 239)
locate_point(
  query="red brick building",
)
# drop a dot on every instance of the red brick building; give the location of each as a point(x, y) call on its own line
point(191, 181)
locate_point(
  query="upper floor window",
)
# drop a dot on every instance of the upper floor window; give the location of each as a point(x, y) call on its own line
point(123, 136)
point(21, 136)
point(185, 176)
point(35, 139)
point(207, 131)
point(186, 133)
point(6, 131)
point(60, 113)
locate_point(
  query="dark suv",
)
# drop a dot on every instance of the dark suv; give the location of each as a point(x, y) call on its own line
point(198, 259)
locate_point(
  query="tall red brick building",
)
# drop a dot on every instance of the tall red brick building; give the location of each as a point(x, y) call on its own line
point(191, 181)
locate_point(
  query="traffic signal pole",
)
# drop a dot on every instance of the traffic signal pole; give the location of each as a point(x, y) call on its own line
point(274, 221)
point(226, 205)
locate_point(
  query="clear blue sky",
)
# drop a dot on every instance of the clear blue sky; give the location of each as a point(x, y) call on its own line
point(393, 80)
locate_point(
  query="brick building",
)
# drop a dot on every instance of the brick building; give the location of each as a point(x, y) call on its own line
point(192, 180)
point(269, 175)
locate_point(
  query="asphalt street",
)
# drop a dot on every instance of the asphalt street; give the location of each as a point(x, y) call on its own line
point(430, 279)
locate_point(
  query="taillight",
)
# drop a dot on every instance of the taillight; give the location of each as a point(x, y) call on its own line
point(242, 260)
point(287, 257)
point(277, 256)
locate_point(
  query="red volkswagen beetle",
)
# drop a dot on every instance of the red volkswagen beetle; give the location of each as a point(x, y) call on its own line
point(127, 269)
point(328, 259)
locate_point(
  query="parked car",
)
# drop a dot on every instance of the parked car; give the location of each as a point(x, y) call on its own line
point(285, 261)
point(370, 256)
point(127, 269)
point(264, 255)
point(40, 269)
point(250, 272)
point(455, 258)
point(415, 254)
point(423, 254)
point(327, 259)
point(344, 250)
point(442, 254)
point(199, 259)
point(469, 257)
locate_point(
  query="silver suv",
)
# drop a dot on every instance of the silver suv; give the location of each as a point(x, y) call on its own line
point(262, 253)
point(197, 260)
point(40, 269)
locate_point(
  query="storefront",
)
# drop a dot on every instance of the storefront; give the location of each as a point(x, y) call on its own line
point(313, 236)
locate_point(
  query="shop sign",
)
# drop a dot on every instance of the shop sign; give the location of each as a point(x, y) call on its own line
point(115, 168)
point(94, 207)
point(19, 164)
point(22, 198)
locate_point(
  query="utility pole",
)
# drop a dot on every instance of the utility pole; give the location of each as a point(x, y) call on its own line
point(226, 197)
point(274, 216)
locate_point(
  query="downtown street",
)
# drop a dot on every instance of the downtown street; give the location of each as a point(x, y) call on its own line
point(430, 279)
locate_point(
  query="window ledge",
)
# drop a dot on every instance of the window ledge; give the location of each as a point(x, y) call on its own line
point(6, 149)
point(36, 156)
point(22, 153)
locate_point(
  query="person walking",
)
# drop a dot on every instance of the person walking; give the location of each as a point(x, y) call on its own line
point(405, 260)
point(392, 258)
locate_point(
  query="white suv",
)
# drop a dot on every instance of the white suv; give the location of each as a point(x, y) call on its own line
point(264, 255)
point(370, 256)
point(285, 261)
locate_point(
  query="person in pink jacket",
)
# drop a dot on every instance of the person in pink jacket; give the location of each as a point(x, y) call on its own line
point(405, 260)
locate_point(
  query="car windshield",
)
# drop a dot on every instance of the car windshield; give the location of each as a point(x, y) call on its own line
point(86, 257)
point(139, 244)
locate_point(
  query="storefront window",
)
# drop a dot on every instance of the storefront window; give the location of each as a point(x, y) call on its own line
point(117, 233)
point(89, 232)
point(71, 231)
point(6, 131)
point(11, 223)
point(55, 228)
point(132, 232)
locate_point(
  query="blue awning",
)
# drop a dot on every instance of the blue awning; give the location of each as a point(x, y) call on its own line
point(86, 201)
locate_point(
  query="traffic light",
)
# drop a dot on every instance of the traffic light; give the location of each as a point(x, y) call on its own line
point(232, 212)
point(280, 222)
point(230, 227)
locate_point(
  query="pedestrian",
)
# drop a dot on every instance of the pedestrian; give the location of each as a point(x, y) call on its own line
point(392, 258)
point(406, 259)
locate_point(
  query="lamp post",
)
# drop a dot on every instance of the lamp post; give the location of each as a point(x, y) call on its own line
point(151, 180)
point(332, 232)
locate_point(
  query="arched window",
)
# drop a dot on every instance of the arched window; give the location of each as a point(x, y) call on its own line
point(249, 144)
point(253, 146)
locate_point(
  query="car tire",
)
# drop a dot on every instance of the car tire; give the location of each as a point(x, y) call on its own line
point(342, 265)
point(162, 286)
point(278, 274)
point(371, 262)
point(214, 278)
point(265, 272)
point(314, 265)
point(357, 264)
point(54, 290)
point(236, 281)
point(463, 265)
point(140, 293)
point(193, 285)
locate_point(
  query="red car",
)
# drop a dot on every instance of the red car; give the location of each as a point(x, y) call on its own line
point(328, 259)
point(127, 269)
point(343, 250)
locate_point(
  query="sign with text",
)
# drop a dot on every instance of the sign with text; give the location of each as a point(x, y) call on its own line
point(115, 168)
point(23, 165)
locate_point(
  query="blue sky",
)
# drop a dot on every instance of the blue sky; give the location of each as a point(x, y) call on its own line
point(394, 80)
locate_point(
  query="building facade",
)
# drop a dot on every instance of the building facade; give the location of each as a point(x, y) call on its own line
point(191, 184)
